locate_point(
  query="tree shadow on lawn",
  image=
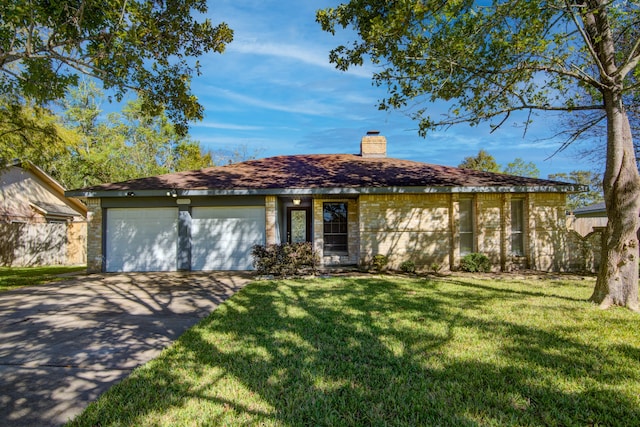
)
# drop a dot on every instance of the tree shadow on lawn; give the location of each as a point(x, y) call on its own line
point(373, 352)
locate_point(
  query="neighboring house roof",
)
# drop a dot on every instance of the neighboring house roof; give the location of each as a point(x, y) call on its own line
point(596, 209)
point(25, 187)
point(54, 211)
point(343, 173)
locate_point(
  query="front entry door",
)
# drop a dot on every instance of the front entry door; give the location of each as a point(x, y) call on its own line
point(298, 225)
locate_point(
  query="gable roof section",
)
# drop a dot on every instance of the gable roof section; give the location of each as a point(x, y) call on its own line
point(338, 173)
point(53, 186)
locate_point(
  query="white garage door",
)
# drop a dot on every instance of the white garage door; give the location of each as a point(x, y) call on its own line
point(144, 239)
point(222, 237)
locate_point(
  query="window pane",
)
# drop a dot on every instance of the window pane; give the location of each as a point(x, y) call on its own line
point(517, 227)
point(466, 243)
point(466, 226)
point(517, 217)
point(335, 227)
point(466, 215)
point(517, 244)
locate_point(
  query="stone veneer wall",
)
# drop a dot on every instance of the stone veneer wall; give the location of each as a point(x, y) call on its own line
point(95, 257)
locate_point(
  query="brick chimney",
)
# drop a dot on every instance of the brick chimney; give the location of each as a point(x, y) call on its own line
point(373, 145)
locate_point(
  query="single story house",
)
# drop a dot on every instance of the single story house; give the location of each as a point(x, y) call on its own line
point(351, 207)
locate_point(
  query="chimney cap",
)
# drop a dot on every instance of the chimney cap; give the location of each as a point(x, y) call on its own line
point(373, 132)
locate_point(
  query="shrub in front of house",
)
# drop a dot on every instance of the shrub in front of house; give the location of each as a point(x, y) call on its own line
point(408, 267)
point(287, 259)
point(475, 263)
point(379, 262)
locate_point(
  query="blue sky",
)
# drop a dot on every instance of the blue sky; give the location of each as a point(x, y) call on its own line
point(274, 91)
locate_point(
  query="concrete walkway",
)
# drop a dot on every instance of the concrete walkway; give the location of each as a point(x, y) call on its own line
point(62, 345)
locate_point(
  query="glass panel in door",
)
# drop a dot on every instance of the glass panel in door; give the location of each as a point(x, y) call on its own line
point(298, 226)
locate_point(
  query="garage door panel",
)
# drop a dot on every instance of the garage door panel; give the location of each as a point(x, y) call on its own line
point(222, 238)
point(141, 239)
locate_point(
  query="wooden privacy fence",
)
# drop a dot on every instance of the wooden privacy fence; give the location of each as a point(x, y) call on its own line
point(23, 245)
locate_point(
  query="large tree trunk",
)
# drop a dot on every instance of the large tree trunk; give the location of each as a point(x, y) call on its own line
point(617, 282)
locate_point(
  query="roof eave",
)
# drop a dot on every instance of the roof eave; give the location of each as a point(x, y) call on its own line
point(329, 190)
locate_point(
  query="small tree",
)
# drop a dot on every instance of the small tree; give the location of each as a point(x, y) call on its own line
point(521, 168)
point(482, 162)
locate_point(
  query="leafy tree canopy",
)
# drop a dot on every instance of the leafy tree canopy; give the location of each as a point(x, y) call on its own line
point(591, 180)
point(521, 168)
point(487, 59)
point(20, 126)
point(125, 145)
point(482, 162)
point(140, 45)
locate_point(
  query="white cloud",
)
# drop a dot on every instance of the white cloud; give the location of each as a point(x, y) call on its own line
point(311, 55)
point(308, 107)
point(226, 126)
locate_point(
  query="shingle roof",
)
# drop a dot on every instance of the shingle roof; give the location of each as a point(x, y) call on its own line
point(324, 171)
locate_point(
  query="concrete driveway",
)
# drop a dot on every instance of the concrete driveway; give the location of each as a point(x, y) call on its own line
point(62, 345)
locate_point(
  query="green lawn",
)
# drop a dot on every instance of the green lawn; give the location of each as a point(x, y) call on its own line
point(12, 278)
point(392, 351)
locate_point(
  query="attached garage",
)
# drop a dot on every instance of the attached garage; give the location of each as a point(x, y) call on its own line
point(222, 237)
point(141, 239)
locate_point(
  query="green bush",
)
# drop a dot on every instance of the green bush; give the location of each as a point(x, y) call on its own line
point(408, 267)
point(475, 263)
point(287, 259)
point(379, 262)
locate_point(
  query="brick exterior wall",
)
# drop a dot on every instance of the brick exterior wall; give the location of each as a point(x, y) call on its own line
point(406, 227)
point(95, 257)
point(424, 228)
point(548, 232)
point(271, 218)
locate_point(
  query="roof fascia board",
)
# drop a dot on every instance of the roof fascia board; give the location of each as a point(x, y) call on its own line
point(571, 188)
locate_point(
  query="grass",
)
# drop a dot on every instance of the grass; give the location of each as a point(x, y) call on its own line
point(392, 351)
point(12, 278)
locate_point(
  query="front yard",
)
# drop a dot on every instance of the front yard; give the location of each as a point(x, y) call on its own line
point(393, 351)
point(17, 277)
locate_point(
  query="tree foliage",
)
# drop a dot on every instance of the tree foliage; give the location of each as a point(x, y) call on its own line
point(483, 161)
point(589, 179)
point(519, 167)
point(21, 125)
point(144, 46)
point(125, 145)
point(487, 60)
